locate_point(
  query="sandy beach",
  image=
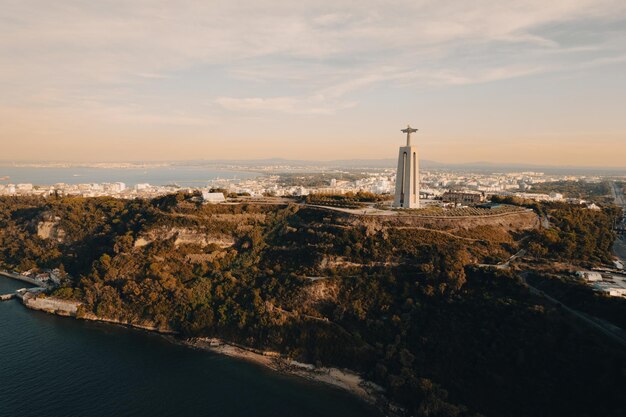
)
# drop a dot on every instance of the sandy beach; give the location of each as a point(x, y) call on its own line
point(344, 379)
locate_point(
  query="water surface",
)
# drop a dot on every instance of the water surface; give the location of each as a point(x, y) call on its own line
point(55, 366)
point(188, 176)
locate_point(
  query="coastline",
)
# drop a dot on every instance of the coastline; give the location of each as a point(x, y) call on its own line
point(340, 378)
point(343, 379)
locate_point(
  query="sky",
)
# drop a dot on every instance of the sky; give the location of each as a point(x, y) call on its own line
point(527, 81)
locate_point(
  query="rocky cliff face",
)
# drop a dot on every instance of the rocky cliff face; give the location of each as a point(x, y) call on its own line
point(183, 235)
point(51, 304)
point(70, 308)
point(48, 228)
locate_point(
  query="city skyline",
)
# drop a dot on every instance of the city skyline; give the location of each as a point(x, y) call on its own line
point(522, 83)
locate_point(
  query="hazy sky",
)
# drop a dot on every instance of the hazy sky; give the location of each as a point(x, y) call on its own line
point(539, 82)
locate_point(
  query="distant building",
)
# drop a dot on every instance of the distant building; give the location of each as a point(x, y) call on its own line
point(462, 198)
point(589, 276)
point(24, 187)
point(609, 288)
point(533, 196)
point(429, 193)
point(119, 186)
point(381, 187)
point(55, 276)
point(299, 191)
point(43, 277)
point(213, 198)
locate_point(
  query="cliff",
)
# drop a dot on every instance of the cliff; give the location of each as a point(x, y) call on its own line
point(51, 304)
point(185, 235)
point(71, 308)
point(48, 228)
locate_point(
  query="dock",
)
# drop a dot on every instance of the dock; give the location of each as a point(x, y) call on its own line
point(22, 278)
point(21, 292)
point(7, 297)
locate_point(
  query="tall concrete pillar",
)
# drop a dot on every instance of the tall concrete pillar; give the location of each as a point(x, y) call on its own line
point(407, 178)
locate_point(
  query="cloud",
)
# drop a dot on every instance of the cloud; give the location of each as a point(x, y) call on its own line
point(292, 57)
point(152, 75)
point(290, 105)
point(282, 104)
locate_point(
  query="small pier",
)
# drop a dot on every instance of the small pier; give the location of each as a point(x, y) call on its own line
point(22, 278)
point(21, 292)
point(7, 297)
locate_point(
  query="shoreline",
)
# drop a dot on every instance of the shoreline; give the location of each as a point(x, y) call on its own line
point(342, 379)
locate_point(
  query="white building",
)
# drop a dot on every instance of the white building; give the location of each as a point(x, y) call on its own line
point(610, 289)
point(213, 198)
point(299, 191)
point(589, 276)
point(381, 187)
point(115, 187)
point(24, 187)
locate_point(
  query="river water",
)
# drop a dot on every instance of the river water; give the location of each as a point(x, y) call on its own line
point(54, 366)
point(187, 176)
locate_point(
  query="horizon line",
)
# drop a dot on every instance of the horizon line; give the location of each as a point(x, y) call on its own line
point(392, 161)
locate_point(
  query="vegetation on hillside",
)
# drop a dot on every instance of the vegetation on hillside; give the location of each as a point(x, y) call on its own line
point(576, 234)
point(402, 306)
point(594, 191)
point(347, 200)
point(459, 211)
point(577, 294)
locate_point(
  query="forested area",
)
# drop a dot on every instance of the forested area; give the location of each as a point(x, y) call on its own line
point(347, 200)
point(402, 306)
point(594, 191)
point(577, 294)
point(576, 234)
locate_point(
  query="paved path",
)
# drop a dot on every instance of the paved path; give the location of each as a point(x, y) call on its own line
point(21, 278)
point(507, 263)
point(611, 331)
point(370, 211)
point(619, 246)
point(618, 194)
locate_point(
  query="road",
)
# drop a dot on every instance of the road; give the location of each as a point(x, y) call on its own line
point(21, 278)
point(613, 332)
point(609, 330)
point(507, 263)
point(618, 194)
point(619, 246)
point(619, 249)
